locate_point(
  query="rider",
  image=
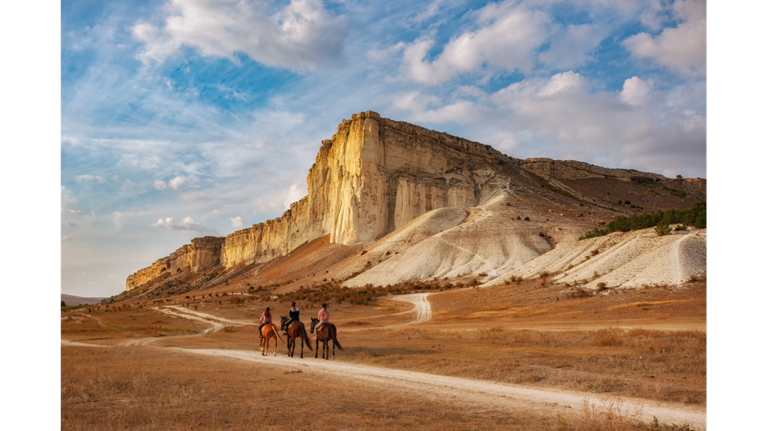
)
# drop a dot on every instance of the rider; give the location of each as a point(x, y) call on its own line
point(323, 316)
point(266, 317)
point(293, 316)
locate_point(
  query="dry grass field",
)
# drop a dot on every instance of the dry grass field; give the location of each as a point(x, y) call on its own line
point(647, 344)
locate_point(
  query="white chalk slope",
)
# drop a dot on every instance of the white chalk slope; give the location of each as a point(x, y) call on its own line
point(488, 243)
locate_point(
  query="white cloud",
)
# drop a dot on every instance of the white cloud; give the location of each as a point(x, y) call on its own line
point(682, 48)
point(507, 37)
point(188, 224)
point(176, 182)
point(293, 195)
point(564, 83)
point(301, 35)
point(160, 185)
point(64, 210)
point(237, 221)
point(636, 91)
point(572, 46)
point(89, 178)
point(429, 12)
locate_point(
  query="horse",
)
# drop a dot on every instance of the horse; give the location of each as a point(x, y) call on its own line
point(268, 331)
point(295, 330)
point(325, 334)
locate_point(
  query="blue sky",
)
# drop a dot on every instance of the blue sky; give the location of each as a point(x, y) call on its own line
point(188, 118)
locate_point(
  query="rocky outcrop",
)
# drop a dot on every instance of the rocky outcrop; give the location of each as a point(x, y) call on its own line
point(573, 170)
point(201, 254)
point(372, 177)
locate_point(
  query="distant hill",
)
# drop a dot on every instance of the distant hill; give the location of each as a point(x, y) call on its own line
point(79, 300)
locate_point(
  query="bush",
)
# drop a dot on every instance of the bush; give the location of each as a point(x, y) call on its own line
point(696, 216)
point(662, 229)
point(63, 304)
point(681, 227)
point(526, 218)
point(518, 217)
point(679, 177)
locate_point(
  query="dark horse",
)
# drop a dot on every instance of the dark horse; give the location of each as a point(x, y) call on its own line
point(325, 334)
point(295, 330)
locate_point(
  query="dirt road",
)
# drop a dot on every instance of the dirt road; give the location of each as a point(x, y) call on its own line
point(468, 391)
point(444, 388)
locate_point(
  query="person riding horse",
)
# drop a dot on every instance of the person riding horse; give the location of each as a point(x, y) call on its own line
point(293, 316)
point(323, 316)
point(266, 317)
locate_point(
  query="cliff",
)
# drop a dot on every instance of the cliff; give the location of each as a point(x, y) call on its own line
point(372, 177)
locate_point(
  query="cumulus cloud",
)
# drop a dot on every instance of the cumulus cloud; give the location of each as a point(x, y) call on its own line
point(300, 36)
point(636, 91)
point(160, 185)
point(89, 178)
point(237, 221)
point(176, 182)
point(188, 224)
point(683, 48)
point(506, 38)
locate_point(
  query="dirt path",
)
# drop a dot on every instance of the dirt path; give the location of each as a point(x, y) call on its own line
point(421, 306)
point(444, 388)
point(479, 392)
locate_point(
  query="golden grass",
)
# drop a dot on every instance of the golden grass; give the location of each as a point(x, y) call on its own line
point(151, 389)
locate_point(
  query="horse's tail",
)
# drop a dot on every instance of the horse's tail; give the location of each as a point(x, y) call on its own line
point(305, 337)
point(277, 333)
point(333, 336)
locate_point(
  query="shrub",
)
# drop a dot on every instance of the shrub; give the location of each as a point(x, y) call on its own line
point(526, 218)
point(601, 286)
point(508, 204)
point(662, 228)
point(63, 304)
point(627, 203)
point(681, 227)
point(518, 217)
point(696, 216)
point(608, 337)
point(679, 177)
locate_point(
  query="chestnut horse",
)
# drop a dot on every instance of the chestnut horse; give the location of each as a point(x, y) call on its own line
point(325, 334)
point(295, 330)
point(268, 331)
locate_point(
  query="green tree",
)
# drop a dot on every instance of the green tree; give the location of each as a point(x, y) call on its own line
point(679, 177)
point(701, 219)
point(63, 304)
point(662, 228)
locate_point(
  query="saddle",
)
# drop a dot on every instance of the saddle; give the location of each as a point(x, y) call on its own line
point(320, 325)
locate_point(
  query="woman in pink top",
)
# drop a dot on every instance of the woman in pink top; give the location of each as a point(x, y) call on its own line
point(266, 317)
point(323, 316)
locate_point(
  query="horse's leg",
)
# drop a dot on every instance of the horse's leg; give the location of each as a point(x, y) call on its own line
point(302, 345)
point(317, 343)
point(275, 354)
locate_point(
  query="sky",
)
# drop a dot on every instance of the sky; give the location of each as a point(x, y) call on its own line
point(182, 119)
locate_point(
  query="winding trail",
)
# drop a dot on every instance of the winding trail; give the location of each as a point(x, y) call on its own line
point(467, 391)
point(479, 393)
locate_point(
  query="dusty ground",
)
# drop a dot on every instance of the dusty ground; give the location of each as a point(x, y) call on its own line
point(521, 336)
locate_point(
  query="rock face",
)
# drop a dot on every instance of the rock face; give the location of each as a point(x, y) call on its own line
point(573, 170)
point(372, 177)
point(203, 253)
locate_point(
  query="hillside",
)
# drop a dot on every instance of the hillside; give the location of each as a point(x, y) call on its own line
point(79, 300)
point(390, 202)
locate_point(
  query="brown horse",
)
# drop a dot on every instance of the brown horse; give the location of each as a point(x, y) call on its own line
point(295, 330)
point(325, 334)
point(268, 331)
